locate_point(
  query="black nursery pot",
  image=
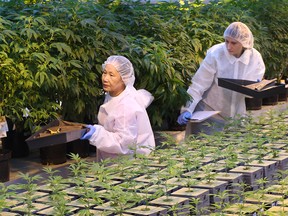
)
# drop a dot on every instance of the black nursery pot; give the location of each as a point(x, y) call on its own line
point(5, 156)
point(283, 96)
point(80, 147)
point(15, 141)
point(272, 100)
point(253, 103)
point(55, 154)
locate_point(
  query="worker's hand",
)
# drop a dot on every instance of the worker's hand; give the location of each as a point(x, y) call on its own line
point(184, 118)
point(89, 132)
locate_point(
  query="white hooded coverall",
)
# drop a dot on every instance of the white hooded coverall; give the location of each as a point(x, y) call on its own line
point(124, 126)
point(219, 63)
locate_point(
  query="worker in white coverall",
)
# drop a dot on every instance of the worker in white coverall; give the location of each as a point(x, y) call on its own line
point(234, 59)
point(123, 124)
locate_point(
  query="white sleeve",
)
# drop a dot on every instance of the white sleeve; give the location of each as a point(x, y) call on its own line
point(123, 137)
point(201, 81)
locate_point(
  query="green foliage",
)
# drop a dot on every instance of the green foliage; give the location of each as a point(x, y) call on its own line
point(123, 183)
point(52, 56)
point(273, 17)
point(5, 194)
point(57, 198)
point(29, 188)
point(51, 51)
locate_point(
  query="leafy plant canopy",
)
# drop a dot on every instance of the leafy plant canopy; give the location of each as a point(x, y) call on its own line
point(51, 52)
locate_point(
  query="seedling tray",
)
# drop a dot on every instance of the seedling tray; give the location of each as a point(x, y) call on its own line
point(241, 87)
point(56, 132)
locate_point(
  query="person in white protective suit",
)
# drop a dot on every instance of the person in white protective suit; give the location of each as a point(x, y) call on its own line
point(123, 124)
point(234, 59)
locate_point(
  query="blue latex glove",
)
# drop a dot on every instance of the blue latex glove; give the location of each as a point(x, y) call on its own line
point(89, 132)
point(184, 118)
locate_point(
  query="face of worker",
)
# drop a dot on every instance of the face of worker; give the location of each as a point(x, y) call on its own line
point(234, 47)
point(112, 81)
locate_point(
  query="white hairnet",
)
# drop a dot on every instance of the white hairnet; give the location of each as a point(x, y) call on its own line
point(240, 32)
point(123, 66)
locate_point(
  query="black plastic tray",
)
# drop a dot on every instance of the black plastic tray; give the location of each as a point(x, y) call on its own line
point(239, 86)
point(35, 141)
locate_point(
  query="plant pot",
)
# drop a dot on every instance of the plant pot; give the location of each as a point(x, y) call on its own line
point(22, 209)
point(122, 214)
point(234, 180)
point(272, 100)
point(80, 147)
point(71, 191)
point(181, 204)
point(15, 141)
point(216, 167)
point(163, 136)
point(71, 211)
point(253, 103)
point(156, 163)
point(242, 209)
point(283, 96)
point(177, 181)
point(276, 146)
point(147, 210)
point(269, 169)
point(10, 203)
point(277, 211)
point(195, 174)
point(156, 188)
point(206, 160)
point(55, 154)
point(250, 176)
point(215, 187)
point(283, 203)
point(110, 207)
point(278, 189)
point(268, 200)
point(282, 162)
point(78, 202)
point(194, 194)
point(132, 186)
point(147, 178)
point(5, 156)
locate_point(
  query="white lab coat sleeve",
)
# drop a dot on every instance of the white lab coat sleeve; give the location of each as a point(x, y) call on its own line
point(122, 139)
point(201, 81)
